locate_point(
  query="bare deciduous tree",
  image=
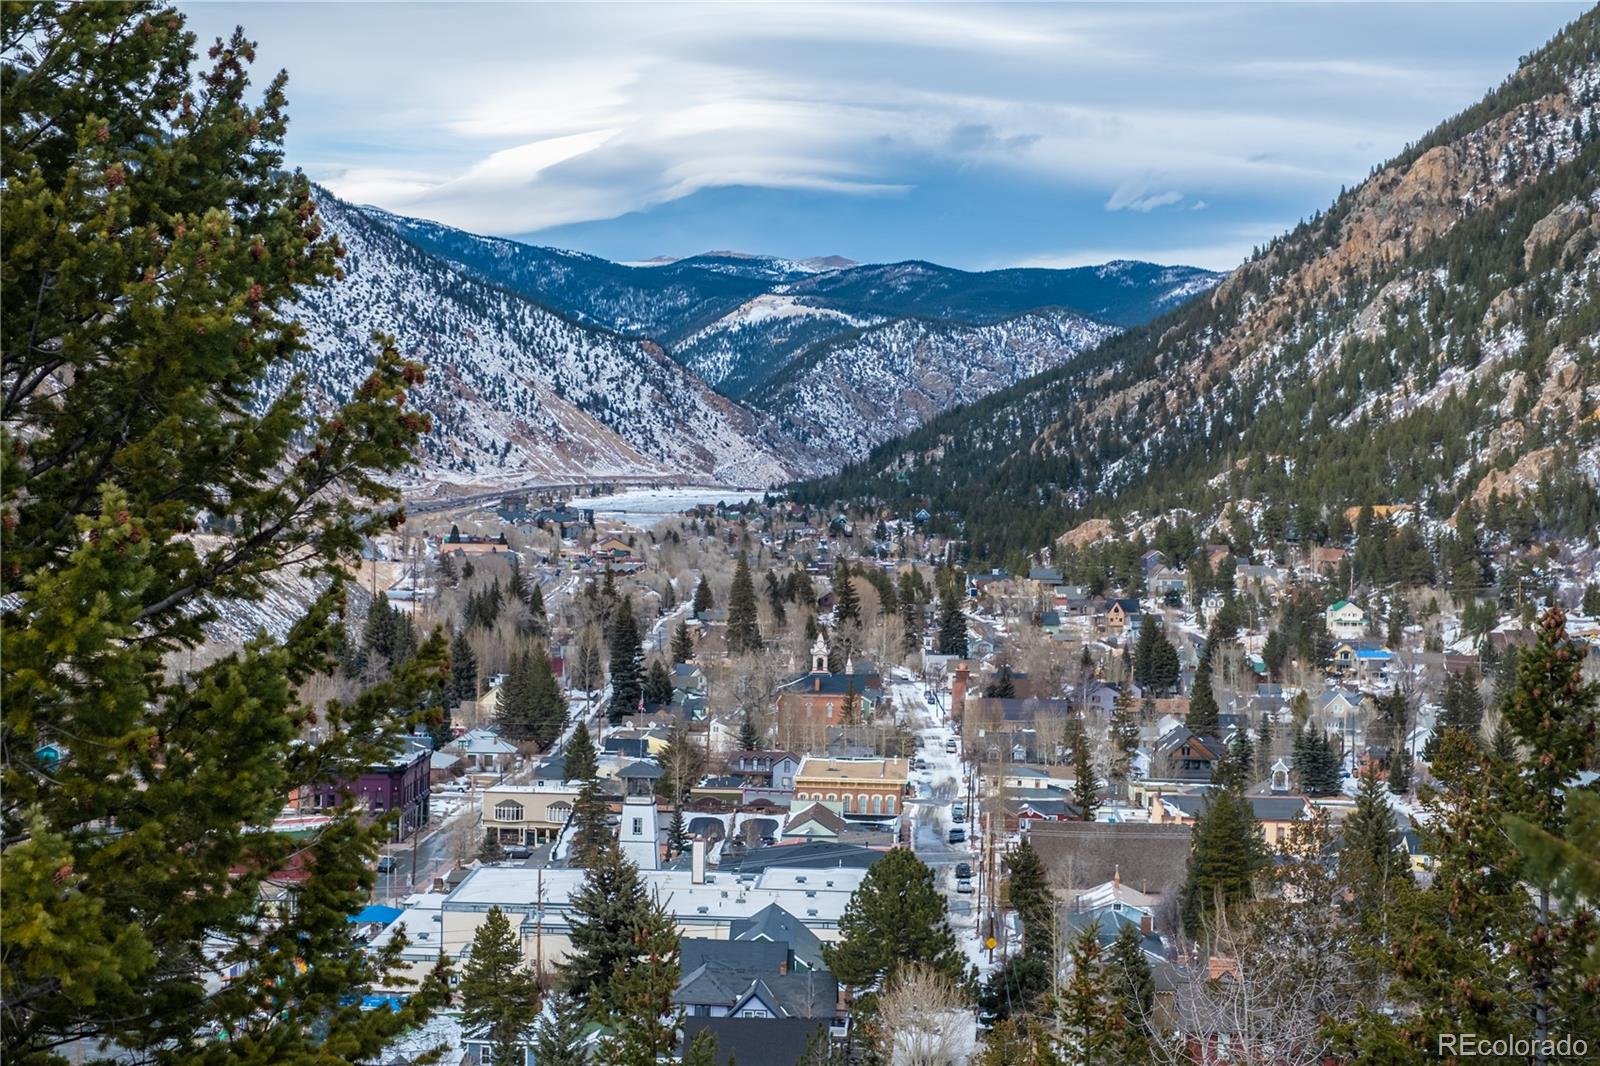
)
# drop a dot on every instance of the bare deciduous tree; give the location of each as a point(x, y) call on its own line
point(924, 1020)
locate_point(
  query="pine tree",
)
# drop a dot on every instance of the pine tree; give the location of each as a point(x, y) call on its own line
point(640, 991)
point(952, 625)
point(1003, 687)
point(846, 603)
point(703, 601)
point(702, 1050)
point(605, 910)
point(1315, 762)
point(657, 685)
point(1205, 717)
point(591, 831)
point(558, 1035)
point(1236, 767)
point(850, 704)
point(1085, 789)
point(775, 599)
point(1031, 896)
point(499, 996)
point(1225, 851)
point(538, 624)
point(1124, 741)
point(548, 704)
point(1372, 861)
point(155, 250)
point(749, 737)
point(579, 760)
point(910, 627)
point(677, 833)
point(463, 684)
point(516, 716)
point(682, 644)
point(744, 634)
point(1131, 987)
point(1088, 1020)
point(896, 916)
point(626, 656)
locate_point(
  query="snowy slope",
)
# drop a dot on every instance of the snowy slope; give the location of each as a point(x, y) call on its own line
point(517, 391)
point(851, 393)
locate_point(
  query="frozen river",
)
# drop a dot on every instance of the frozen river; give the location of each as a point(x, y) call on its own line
point(644, 508)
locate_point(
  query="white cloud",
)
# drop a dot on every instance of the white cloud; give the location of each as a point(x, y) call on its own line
point(1131, 197)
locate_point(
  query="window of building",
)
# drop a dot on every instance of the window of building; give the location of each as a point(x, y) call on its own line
point(888, 805)
point(847, 802)
point(508, 811)
point(638, 827)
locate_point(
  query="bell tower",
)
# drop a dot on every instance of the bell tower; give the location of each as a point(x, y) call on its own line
point(638, 836)
point(819, 656)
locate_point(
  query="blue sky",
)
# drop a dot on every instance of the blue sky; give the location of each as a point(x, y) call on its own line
point(978, 136)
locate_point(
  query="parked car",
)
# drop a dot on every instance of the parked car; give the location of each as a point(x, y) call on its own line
point(963, 884)
point(386, 863)
point(958, 813)
point(950, 745)
point(517, 851)
point(963, 869)
point(929, 696)
point(958, 835)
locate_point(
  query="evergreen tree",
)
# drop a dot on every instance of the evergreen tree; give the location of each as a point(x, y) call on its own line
point(846, 604)
point(1085, 789)
point(1225, 851)
point(549, 705)
point(1031, 896)
point(658, 685)
point(1460, 708)
point(1315, 762)
point(646, 1029)
point(626, 656)
point(744, 634)
point(605, 914)
point(1373, 860)
point(1236, 768)
point(463, 683)
point(538, 624)
point(703, 601)
point(591, 831)
point(1591, 599)
point(1205, 717)
point(1003, 687)
point(499, 996)
point(455, 534)
point(952, 625)
point(749, 737)
point(677, 833)
point(516, 716)
point(775, 598)
point(1088, 1020)
point(580, 761)
point(850, 705)
point(490, 850)
point(558, 1035)
point(897, 916)
point(1124, 741)
point(682, 644)
point(702, 1050)
point(910, 627)
point(1131, 987)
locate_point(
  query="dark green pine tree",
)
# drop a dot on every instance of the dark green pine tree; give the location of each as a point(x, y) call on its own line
point(1131, 987)
point(846, 603)
point(1460, 708)
point(155, 250)
point(1236, 768)
point(463, 683)
point(489, 850)
point(682, 644)
point(1315, 762)
point(749, 736)
point(516, 715)
point(626, 656)
point(499, 995)
point(558, 1035)
point(591, 829)
point(775, 599)
point(657, 685)
point(744, 634)
point(1225, 851)
point(549, 705)
point(702, 1050)
point(677, 834)
point(1372, 861)
point(1003, 687)
point(644, 1024)
point(579, 759)
point(1028, 888)
point(1591, 599)
point(1205, 717)
point(910, 626)
point(538, 623)
point(702, 596)
point(1089, 1025)
point(605, 916)
point(952, 625)
point(897, 916)
point(1085, 787)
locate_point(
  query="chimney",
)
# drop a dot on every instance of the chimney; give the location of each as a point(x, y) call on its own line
point(1146, 926)
point(697, 862)
point(1116, 875)
point(816, 684)
point(958, 690)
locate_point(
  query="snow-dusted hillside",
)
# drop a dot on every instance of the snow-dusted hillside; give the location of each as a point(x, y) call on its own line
point(851, 393)
point(740, 350)
point(517, 391)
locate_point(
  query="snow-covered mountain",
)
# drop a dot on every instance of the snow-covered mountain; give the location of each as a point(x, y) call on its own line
point(846, 395)
point(517, 390)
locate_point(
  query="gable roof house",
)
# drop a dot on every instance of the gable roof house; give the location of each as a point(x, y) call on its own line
point(1184, 756)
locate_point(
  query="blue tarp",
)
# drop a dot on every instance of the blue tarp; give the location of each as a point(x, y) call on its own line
point(375, 915)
